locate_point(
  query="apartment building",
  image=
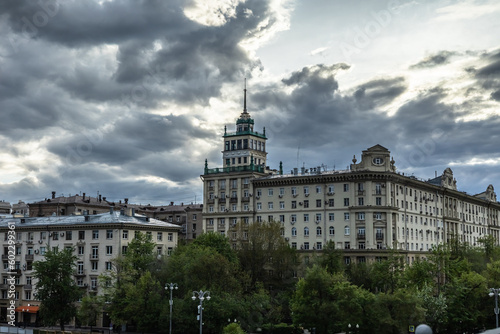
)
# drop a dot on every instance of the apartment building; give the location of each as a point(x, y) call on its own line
point(97, 239)
point(365, 210)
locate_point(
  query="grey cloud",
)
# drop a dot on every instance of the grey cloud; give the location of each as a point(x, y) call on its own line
point(440, 58)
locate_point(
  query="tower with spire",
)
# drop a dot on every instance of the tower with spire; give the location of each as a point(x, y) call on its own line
point(228, 191)
point(244, 147)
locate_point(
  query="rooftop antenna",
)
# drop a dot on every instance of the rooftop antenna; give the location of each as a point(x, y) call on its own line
point(298, 154)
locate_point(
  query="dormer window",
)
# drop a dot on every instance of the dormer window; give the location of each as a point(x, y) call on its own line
point(378, 161)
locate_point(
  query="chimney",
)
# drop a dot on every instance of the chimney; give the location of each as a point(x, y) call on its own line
point(171, 203)
point(110, 210)
point(133, 212)
point(53, 194)
point(84, 196)
point(104, 198)
point(126, 200)
point(100, 198)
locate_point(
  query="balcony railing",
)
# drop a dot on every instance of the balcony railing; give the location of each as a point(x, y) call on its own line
point(94, 256)
point(231, 169)
point(361, 236)
point(379, 236)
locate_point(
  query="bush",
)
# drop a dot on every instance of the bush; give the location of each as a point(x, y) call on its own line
point(233, 328)
point(281, 328)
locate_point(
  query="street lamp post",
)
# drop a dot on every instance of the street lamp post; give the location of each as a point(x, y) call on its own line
point(171, 286)
point(201, 295)
point(494, 292)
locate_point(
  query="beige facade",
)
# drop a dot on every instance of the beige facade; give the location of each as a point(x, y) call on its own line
point(365, 210)
point(97, 239)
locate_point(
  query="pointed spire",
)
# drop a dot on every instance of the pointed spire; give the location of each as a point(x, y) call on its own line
point(245, 97)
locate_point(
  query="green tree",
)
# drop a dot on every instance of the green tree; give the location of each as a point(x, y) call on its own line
point(265, 255)
point(56, 288)
point(219, 243)
point(233, 329)
point(327, 302)
point(331, 258)
point(90, 309)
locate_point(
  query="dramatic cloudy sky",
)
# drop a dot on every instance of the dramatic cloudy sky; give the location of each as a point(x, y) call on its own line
point(128, 98)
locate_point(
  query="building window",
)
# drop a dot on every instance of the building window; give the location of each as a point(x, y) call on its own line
point(95, 234)
point(294, 204)
point(55, 236)
point(282, 205)
point(331, 230)
point(159, 236)
point(318, 203)
point(69, 235)
point(306, 203)
point(378, 216)
point(293, 218)
point(270, 205)
point(318, 231)
point(95, 252)
point(306, 231)
point(318, 217)
point(94, 266)
point(346, 201)
point(109, 265)
point(109, 234)
point(194, 216)
point(346, 187)
point(306, 190)
point(259, 192)
point(361, 216)
point(159, 250)
point(378, 189)
point(331, 189)
point(306, 247)
point(294, 245)
point(81, 250)
point(319, 245)
point(282, 218)
point(347, 245)
point(361, 201)
point(306, 217)
point(346, 215)
point(331, 216)
point(125, 234)
point(294, 232)
point(270, 192)
point(378, 200)
point(331, 202)
point(347, 230)
point(170, 235)
point(109, 250)
point(259, 206)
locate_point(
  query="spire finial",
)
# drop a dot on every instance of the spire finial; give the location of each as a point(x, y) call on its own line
point(245, 97)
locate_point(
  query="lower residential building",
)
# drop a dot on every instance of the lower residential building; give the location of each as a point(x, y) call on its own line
point(97, 239)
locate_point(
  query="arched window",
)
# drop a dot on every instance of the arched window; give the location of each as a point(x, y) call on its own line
point(318, 231)
point(306, 231)
point(347, 230)
point(294, 232)
point(332, 230)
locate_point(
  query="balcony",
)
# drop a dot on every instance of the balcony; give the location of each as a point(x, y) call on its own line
point(245, 199)
point(29, 257)
point(379, 236)
point(361, 236)
point(80, 272)
point(233, 199)
point(94, 257)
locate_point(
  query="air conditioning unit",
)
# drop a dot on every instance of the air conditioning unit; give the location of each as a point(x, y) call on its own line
point(292, 222)
point(257, 197)
point(40, 241)
point(318, 221)
point(306, 194)
point(62, 234)
point(216, 197)
point(300, 203)
point(280, 196)
point(295, 195)
point(37, 251)
point(287, 239)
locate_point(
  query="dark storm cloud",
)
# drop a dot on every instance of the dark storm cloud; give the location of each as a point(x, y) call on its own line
point(379, 92)
point(131, 138)
point(438, 59)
